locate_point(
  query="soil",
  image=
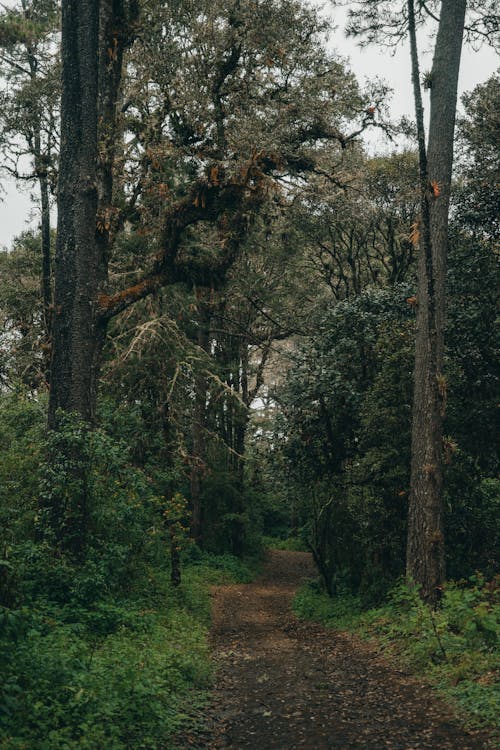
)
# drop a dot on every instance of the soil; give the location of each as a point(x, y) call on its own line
point(284, 684)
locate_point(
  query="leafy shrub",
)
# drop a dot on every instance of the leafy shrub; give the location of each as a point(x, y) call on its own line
point(292, 543)
point(21, 436)
point(71, 687)
point(97, 651)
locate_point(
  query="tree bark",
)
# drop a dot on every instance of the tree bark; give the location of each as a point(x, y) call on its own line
point(198, 426)
point(425, 545)
point(41, 164)
point(443, 105)
point(94, 36)
point(77, 336)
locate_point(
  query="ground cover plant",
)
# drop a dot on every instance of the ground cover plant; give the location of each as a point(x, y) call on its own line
point(114, 673)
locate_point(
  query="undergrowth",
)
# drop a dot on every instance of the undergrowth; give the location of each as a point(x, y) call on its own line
point(455, 647)
point(111, 674)
point(292, 543)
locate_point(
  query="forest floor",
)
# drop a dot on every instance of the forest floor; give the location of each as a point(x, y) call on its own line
point(284, 684)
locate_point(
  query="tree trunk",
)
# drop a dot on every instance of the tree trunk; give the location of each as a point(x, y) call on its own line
point(77, 334)
point(198, 426)
point(41, 164)
point(46, 265)
point(444, 84)
point(94, 34)
point(240, 422)
point(425, 546)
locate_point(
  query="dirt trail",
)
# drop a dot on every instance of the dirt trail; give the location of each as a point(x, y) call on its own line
point(284, 684)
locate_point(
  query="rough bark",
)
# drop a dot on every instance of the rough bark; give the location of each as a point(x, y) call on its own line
point(76, 337)
point(425, 547)
point(94, 36)
point(41, 164)
point(90, 83)
point(443, 105)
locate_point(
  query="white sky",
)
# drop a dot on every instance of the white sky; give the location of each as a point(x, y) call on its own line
point(476, 66)
point(16, 209)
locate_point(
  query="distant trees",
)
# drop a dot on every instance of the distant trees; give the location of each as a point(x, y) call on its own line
point(29, 138)
point(475, 197)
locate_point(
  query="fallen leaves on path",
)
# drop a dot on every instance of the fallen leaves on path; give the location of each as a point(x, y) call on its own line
point(288, 685)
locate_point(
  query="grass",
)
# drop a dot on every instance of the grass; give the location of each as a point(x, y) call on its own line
point(455, 648)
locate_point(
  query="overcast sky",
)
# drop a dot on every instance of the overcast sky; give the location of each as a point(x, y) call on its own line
point(16, 209)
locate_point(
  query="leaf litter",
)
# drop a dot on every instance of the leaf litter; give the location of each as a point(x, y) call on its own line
point(284, 684)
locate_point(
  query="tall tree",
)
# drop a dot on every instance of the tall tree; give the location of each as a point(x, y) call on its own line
point(94, 36)
point(390, 21)
point(425, 545)
point(79, 263)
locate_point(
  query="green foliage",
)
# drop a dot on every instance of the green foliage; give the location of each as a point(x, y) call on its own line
point(118, 673)
point(455, 646)
point(313, 603)
point(101, 650)
point(223, 567)
point(232, 512)
point(115, 676)
point(120, 517)
point(346, 423)
point(21, 435)
point(292, 543)
point(344, 432)
point(476, 195)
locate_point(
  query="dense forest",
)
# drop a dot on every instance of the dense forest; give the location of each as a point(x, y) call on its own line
point(243, 331)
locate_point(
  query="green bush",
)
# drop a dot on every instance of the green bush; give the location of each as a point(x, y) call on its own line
point(96, 650)
point(22, 424)
point(292, 543)
point(114, 673)
point(70, 686)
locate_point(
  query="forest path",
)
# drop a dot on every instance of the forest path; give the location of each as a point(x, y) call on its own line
point(283, 684)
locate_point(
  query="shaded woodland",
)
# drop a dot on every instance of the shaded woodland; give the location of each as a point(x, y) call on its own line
point(243, 330)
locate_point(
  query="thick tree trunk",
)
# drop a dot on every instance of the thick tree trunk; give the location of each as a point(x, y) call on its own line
point(77, 333)
point(94, 34)
point(444, 84)
point(425, 547)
